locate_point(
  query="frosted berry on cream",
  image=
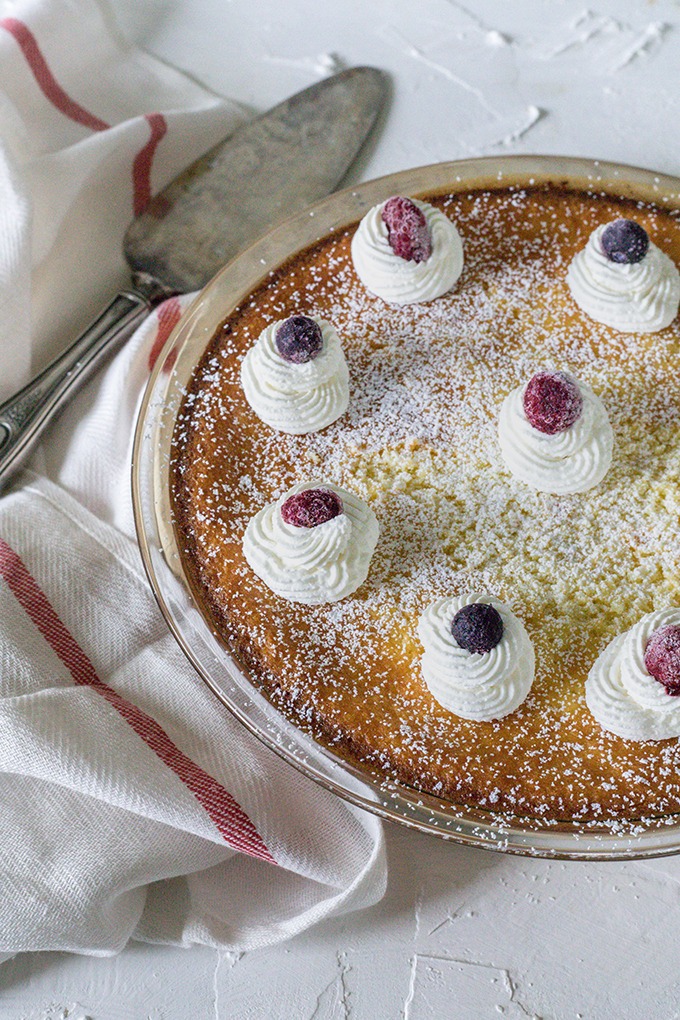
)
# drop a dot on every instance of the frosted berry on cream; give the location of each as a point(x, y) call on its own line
point(314, 544)
point(625, 241)
point(478, 685)
point(555, 434)
point(298, 339)
point(623, 280)
point(477, 627)
point(311, 507)
point(295, 376)
point(552, 402)
point(662, 658)
point(633, 687)
point(407, 231)
point(406, 251)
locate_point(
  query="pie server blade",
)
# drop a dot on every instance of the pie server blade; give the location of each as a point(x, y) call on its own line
point(267, 170)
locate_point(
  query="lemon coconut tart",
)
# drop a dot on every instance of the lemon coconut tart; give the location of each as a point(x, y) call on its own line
point(426, 488)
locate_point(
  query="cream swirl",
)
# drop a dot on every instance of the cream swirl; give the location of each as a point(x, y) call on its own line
point(638, 297)
point(296, 398)
point(401, 281)
point(478, 686)
point(621, 693)
point(573, 460)
point(312, 565)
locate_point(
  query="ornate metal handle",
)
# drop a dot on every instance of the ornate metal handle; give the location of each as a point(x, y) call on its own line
point(24, 416)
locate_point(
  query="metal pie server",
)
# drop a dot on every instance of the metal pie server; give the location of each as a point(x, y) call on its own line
point(268, 169)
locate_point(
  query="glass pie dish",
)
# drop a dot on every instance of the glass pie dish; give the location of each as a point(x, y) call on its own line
point(152, 480)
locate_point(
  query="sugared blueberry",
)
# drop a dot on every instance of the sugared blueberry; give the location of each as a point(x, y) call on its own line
point(311, 507)
point(662, 658)
point(552, 402)
point(407, 229)
point(477, 627)
point(299, 339)
point(624, 241)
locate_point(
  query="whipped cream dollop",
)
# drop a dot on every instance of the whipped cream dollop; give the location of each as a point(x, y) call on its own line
point(573, 460)
point(296, 398)
point(312, 564)
point(638, 297)
point(473, 685)
point(400, 281)
point(623, 696)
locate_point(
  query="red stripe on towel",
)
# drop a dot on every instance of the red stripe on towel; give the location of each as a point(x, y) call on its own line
point(169, 314)
point(48, 84)
point(230, 819)
point(52, 90)
point(141, 168)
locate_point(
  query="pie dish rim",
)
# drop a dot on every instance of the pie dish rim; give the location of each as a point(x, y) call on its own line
point(162, 561)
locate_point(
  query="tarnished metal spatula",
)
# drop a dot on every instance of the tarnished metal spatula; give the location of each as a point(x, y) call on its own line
point(266, 170)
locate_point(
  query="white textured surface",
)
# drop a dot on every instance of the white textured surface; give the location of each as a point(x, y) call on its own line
point(461, 933)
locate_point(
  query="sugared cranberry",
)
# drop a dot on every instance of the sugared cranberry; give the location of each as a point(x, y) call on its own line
point(311, 507)
point(552, 402)
point(299, 339)
point(624, 241)
point(662, 658)
point(477, 627)
point(407, 229)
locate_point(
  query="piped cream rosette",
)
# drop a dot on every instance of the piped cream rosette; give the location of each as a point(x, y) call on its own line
point(573, 460)
point(401, 281)
point(639, 297)
point(473, 685)
point(296, 398)
point(623, 696)
point(312, 565)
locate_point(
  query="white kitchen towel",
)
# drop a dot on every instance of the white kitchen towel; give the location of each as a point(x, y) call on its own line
point(132, 805)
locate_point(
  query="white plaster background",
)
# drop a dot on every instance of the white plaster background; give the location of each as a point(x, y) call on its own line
point(461, 933)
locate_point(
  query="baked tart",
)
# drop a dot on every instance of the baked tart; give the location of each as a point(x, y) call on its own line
point(576, 555)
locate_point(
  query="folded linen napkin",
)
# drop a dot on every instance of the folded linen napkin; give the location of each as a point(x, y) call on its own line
point(132, 805)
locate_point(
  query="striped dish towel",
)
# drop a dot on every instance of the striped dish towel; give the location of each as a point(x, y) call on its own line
point(132, 805)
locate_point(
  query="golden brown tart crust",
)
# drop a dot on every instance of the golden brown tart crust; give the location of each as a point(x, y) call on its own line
point(419, 444)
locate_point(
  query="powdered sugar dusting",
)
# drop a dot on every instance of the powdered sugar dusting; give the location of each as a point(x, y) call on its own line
point(418, 442)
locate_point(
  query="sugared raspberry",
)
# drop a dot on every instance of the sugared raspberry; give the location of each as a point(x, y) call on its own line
point(624, 241)
point(407, 229)
point(477, 627)
point(552, 402)
point(662, 657)
point(298, 339)
point(311, 507)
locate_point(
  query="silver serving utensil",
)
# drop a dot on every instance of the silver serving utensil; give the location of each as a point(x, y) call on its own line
point(266, 170)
